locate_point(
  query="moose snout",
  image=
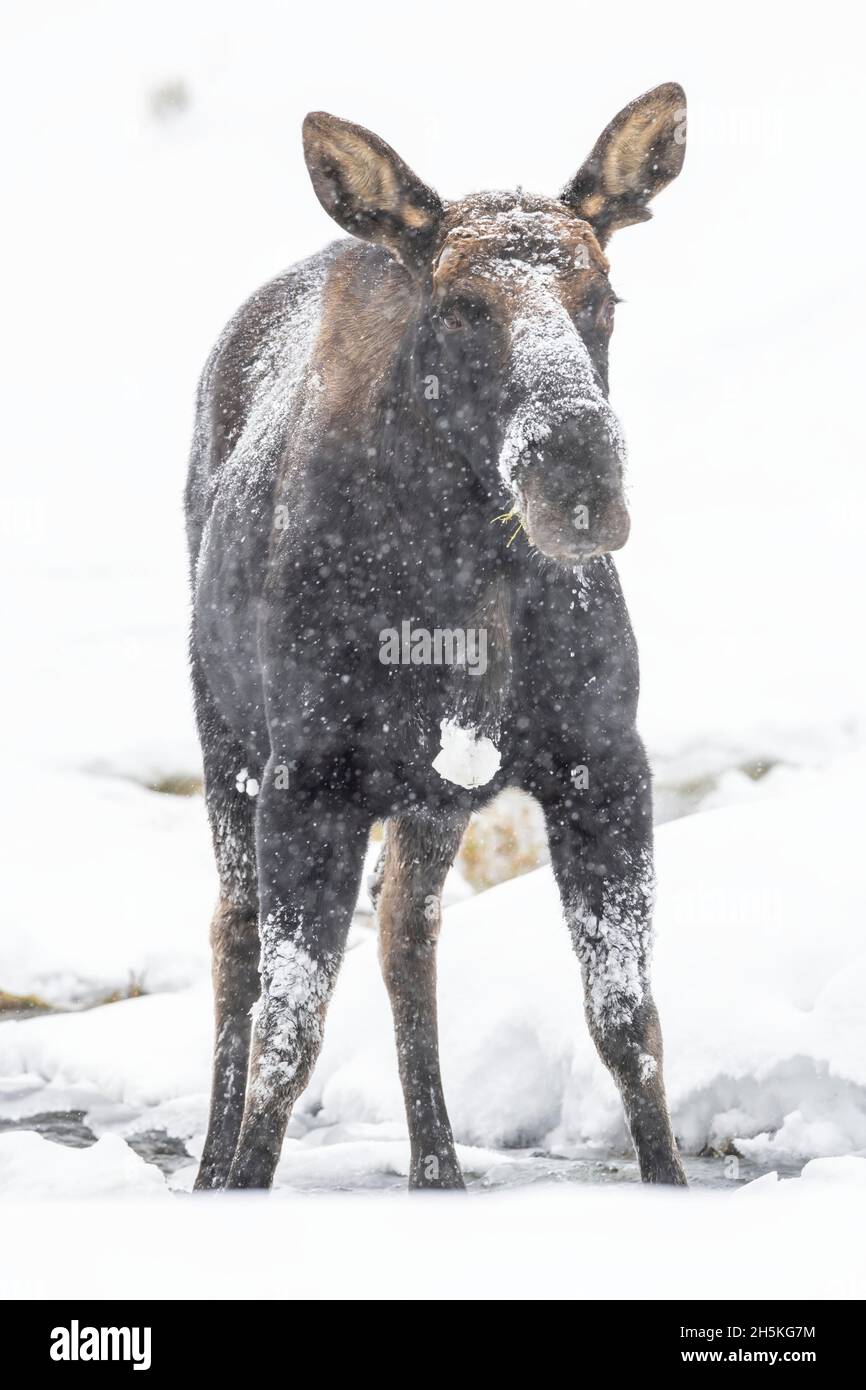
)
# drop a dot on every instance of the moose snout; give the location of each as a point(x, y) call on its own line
point(573, 503)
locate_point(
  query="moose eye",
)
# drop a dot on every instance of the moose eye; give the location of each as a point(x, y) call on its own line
point(452, 321)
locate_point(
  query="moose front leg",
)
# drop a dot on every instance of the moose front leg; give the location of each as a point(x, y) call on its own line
point(310, 843)
point(600, 832)
point(418, 853)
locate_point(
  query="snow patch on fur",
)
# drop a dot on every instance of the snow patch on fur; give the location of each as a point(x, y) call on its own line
point(288, 1017)
point(467, 758)
point(552, 366)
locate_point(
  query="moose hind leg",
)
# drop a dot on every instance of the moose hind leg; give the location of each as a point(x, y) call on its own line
point(235, 948)
point(419, 851)
point(234, 932)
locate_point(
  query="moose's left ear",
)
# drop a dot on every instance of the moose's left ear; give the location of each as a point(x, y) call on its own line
point(638, 154)
point(367, 188)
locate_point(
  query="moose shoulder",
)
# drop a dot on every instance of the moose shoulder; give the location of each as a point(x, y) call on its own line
point(365, 426)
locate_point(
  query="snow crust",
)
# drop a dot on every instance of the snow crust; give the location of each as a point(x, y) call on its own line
point(31, 1166)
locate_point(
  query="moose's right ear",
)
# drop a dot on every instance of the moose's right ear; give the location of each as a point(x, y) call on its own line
point(367, 189)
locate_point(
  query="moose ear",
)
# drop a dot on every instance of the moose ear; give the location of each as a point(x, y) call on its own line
point(367, 189)
point(637, 155)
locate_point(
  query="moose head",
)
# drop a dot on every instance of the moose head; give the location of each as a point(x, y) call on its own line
point(512, 310)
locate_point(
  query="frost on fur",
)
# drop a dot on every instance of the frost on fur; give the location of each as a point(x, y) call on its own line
point(614, 947)
point(289, 1014)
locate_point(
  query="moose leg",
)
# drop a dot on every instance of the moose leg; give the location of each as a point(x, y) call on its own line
point(235, 946)
point(234, 934)
point(310, 843)
point(418, 853)
point(601, 849)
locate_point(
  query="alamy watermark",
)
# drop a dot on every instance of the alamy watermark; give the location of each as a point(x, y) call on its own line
point(77, 1343)
point(441, 646)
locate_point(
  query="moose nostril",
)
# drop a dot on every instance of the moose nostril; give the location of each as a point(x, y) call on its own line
point(576, 531)
point(615, 524)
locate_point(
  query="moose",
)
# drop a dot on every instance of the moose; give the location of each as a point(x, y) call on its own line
point(363, 426)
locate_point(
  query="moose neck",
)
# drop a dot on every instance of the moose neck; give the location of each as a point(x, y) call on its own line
point(453, 566)
point(434, 499)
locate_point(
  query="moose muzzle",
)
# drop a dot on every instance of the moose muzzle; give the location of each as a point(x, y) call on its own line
point(571, 492)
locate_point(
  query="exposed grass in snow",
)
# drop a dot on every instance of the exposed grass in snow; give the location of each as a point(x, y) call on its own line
point(21, 1004)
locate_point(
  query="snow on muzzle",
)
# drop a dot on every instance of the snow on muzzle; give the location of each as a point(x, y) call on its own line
point(563, 454)
point(570, 491)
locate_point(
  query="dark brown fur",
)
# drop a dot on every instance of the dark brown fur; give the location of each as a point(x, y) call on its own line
point(390, 497)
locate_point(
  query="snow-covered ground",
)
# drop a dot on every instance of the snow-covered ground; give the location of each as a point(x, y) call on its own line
point(154, 178)
point(760, 973)
point(788, 1240)
point(760, 976)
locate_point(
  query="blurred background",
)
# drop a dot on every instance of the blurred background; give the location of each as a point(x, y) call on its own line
point(153, 177)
